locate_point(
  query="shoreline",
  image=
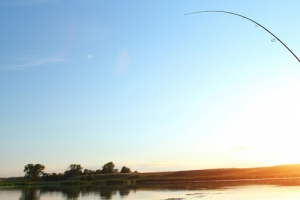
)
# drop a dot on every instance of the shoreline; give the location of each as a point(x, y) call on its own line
point(281, 172)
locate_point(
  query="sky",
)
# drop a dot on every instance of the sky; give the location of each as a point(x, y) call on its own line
point(143, 85)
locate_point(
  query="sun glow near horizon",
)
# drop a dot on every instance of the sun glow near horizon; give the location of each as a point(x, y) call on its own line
point(268, 129)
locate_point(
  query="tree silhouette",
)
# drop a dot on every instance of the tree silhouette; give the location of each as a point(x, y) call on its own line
point(125, 170)
point(73, 170)
point(34, 171)
point(108, 168)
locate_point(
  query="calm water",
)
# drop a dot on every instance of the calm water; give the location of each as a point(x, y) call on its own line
point(288, 189)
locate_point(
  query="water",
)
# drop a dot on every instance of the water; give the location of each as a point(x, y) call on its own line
point(268, 190)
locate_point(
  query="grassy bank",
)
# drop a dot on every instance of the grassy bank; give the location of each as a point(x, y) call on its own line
point(3, 183)
point(283, 171)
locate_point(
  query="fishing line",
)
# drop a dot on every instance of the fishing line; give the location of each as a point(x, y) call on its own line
point(256, 24)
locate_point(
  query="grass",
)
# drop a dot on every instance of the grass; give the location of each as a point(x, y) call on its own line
point(3, 183)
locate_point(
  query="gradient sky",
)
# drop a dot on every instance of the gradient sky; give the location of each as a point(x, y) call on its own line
point(141, 84)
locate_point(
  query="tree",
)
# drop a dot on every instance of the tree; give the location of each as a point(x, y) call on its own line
point(125, 170)
point(50, 177)
point(34, 171)
point(73, 170)
point(108, 168)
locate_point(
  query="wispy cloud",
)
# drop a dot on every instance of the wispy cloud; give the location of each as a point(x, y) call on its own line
point(123, 64)
point(25, 63)
point(24, 2)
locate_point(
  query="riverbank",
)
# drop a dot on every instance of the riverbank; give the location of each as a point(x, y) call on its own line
point(225, 174)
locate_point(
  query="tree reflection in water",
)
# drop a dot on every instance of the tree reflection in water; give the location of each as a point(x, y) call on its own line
point(112, 192)
point(30, 194)
point(71, 194)
point(124, 192)
point(107, 193)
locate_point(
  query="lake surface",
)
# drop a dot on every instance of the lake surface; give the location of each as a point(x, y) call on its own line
point(265, 190)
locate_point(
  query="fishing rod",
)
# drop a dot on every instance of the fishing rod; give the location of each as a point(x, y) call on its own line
point(251, 21)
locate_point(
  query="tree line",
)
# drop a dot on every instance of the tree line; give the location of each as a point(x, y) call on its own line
point(36, 172)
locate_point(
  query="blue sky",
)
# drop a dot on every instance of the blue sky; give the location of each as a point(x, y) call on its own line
point(143, 85)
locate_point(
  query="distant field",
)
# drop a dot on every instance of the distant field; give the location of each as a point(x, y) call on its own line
point(284, 171)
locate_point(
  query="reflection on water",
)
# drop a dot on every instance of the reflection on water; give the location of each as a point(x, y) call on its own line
point(167, 191)
point(30, 194)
